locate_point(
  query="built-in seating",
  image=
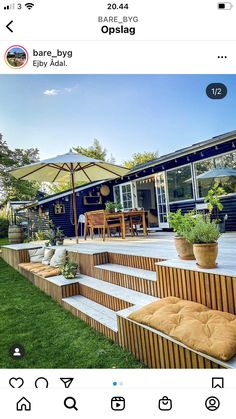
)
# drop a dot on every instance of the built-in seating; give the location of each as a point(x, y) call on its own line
point(115, 294)
point(212, 332)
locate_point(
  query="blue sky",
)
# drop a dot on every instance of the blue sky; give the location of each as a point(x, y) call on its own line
point(130, 113)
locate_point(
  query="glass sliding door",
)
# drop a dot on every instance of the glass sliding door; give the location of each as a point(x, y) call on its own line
point(162, 204)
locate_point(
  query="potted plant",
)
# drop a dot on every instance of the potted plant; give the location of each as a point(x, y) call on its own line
point(204, 235)
point(51, 237)
point(215, 206)
point(181, 223)
point(110, 206)
point(69, 270)
point(118, 207)
point(59, 237)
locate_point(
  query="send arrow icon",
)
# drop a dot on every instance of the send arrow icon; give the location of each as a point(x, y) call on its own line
point(67, 381)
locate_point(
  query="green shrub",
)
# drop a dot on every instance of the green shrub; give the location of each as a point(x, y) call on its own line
point(4, 224)
point(181, 223)
point(213, 198)
point(203, 231)
point(40, 235)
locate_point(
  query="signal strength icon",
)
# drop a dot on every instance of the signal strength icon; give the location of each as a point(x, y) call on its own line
point(9, 7)
point(29, 5)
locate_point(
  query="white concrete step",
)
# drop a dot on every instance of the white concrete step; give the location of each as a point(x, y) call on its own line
point(101, 314)
point(125, 294)
point(126, 270)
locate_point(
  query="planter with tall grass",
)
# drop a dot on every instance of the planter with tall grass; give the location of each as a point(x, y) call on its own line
point(204, 235)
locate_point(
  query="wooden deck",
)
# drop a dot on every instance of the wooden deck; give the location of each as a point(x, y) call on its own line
point(122, 275)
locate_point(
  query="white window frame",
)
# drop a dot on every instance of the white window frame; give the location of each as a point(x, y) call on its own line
point(133, 194)
point(164, 224)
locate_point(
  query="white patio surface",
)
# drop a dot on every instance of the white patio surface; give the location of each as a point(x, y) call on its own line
point(161, 245)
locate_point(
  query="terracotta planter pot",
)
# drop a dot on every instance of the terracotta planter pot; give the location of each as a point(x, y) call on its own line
point(184, 248)
point(206, 254)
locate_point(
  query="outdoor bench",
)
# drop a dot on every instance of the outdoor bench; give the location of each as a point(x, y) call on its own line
point(49, 280)
point(175, 343)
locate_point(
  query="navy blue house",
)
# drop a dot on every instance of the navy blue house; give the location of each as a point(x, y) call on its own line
point(178, 180)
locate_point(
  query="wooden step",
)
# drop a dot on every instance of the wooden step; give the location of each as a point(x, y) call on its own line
point(96, 315)
point(141, 280)
point(110, 295)
point(134, 261)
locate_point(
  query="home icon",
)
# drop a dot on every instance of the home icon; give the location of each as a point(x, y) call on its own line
point(23, 404)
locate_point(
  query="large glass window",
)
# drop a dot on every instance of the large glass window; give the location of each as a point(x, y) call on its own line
point(180, 184)
point(221, 170)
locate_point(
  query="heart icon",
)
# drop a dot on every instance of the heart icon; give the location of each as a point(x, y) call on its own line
point(16, 382)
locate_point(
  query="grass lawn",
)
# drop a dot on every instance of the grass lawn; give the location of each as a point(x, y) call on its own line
point(52, 337)
point(4, 241)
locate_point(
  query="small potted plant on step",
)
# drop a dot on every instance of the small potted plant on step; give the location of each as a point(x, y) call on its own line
point(181, 223)
point(69, 270)
point(204, 236)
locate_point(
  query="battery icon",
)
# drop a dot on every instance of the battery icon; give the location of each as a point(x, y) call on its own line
point(225, 6)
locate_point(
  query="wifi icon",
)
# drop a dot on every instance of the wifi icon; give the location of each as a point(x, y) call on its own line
point(29, 5)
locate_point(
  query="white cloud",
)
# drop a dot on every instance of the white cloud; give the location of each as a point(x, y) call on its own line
point(56, 92)
point(51, 92)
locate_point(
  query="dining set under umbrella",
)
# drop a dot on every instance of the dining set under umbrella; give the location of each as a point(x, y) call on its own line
point(70, 167)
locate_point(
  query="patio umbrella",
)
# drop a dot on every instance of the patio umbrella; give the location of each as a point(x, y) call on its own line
point(71, 167)
point(218, 172)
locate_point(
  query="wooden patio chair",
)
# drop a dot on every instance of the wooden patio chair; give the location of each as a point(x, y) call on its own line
point(95, 220)
point(136, 222)
point(100, 221)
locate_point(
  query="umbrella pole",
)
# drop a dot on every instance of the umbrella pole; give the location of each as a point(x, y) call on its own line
point(74, 206)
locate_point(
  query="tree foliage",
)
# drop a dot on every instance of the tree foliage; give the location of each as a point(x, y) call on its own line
point(10, 187)
point(140, 158)
point(95, 151)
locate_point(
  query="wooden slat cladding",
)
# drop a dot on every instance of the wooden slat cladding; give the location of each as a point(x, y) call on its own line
point(14, 257)
point(109, 333)
point(102, 298)
point(127, 281)
point(214, 291)
point(156, 351)
point(55, 291)
point(133, 261)
point(88, 261)
point(27, 274)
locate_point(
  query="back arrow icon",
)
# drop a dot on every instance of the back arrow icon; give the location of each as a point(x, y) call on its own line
point(8, 26)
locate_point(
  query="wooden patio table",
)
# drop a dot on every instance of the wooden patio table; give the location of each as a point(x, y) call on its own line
point(124, 214)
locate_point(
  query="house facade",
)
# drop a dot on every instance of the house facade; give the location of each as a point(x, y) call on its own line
point(177, 180)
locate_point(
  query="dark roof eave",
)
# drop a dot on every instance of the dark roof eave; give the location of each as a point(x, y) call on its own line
point(178, 153)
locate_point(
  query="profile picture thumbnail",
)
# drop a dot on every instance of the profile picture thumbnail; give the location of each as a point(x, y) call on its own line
point(16, 56)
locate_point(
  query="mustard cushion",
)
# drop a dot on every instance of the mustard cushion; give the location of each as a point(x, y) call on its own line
point(50, 272)
point(30, 266)
point(209, 331)
point(40, 269)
